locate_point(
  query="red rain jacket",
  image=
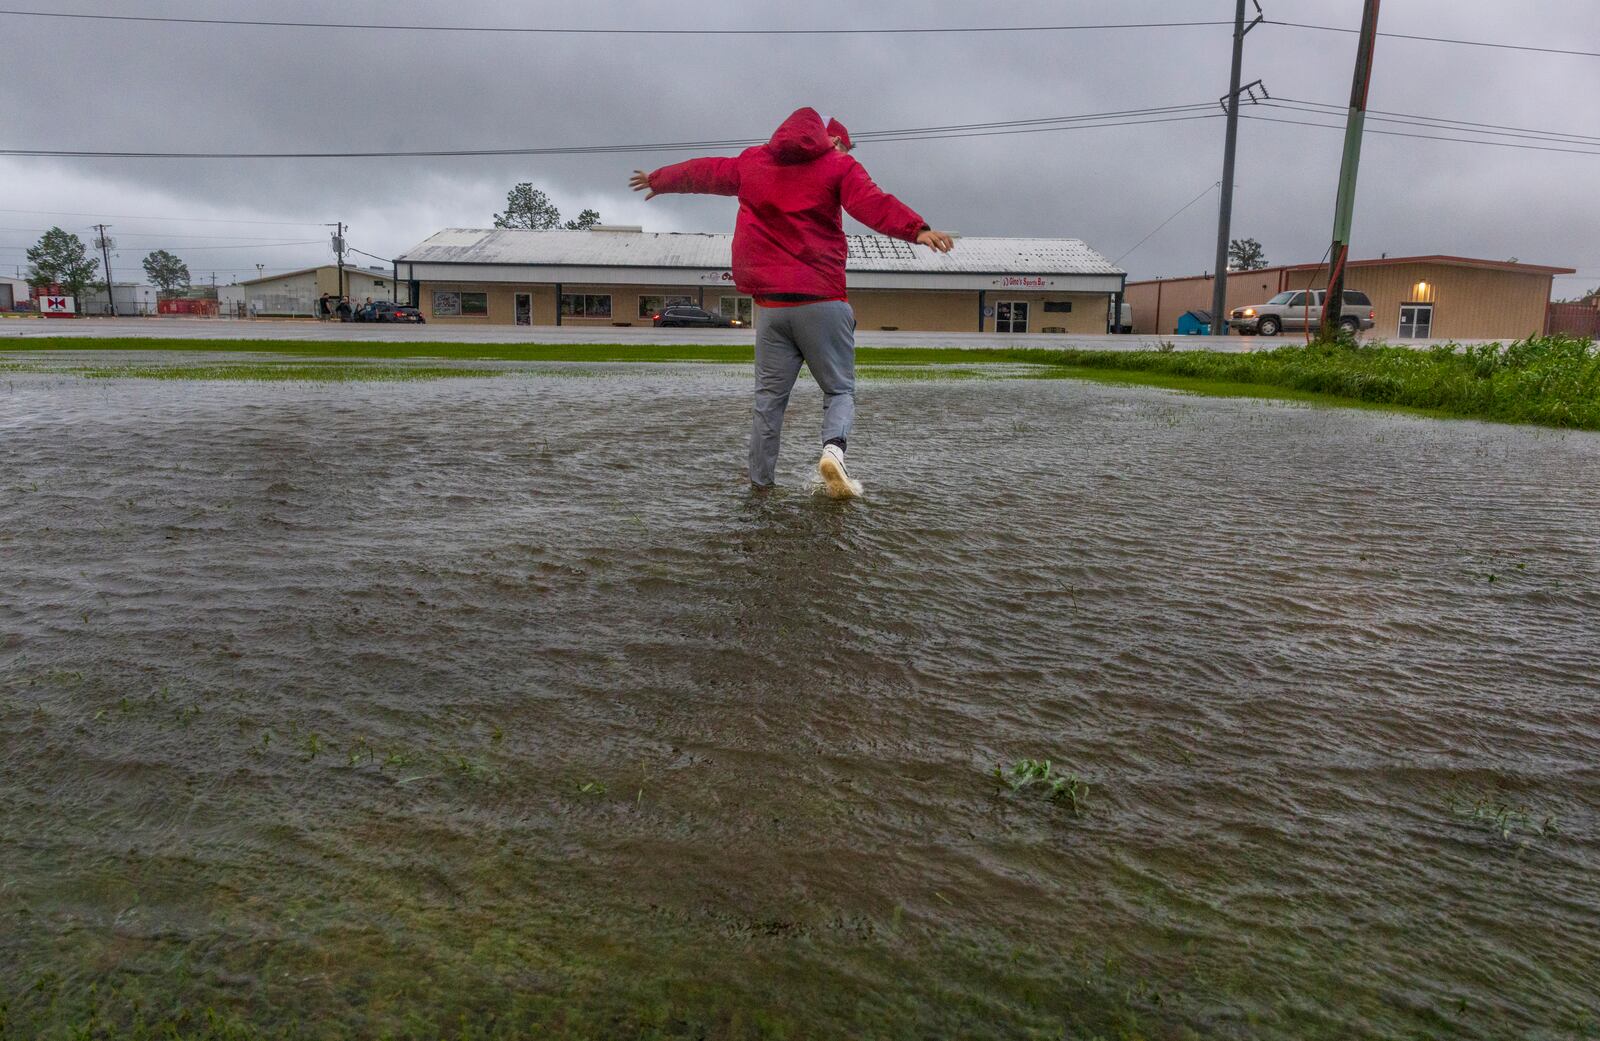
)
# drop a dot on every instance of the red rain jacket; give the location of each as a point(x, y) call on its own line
point(789, 237)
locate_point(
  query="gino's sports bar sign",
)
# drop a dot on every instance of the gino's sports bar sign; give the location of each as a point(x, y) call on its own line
point(1023, 282)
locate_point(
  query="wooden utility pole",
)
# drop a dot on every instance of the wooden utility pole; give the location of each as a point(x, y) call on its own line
point(338, 247)
point(1219, 290)
point(105, 254)
point(1344, 206)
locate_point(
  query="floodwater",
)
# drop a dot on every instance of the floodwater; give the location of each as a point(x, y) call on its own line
point(501, 706)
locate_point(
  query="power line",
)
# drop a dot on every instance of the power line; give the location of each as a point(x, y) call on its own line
point(191, 249)
point(821, 31)
point(1439, 123)
point(1435, 39)
point(560, 31)
point(1428, 137)
point(1106, 119)
point(194, 220)
point(1040, 130)
point(165, 235)
point(1169, 220)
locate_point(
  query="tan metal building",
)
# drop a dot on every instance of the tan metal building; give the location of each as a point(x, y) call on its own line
point(1437, 297)
point(620, 276)
point(295, 293)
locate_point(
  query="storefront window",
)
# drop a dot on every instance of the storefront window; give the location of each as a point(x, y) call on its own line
point(578, 305)
point(454, 304)
point(650, 306)
point(739, 308)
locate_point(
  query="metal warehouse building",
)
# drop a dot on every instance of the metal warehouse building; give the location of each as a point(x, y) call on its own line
point(1419, 298)
point(295, 293)
point(621, 276)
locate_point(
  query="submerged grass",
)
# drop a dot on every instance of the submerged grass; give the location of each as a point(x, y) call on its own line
point(1551, 381)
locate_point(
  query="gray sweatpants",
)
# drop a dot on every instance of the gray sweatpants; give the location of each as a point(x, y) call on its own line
point(823, 336)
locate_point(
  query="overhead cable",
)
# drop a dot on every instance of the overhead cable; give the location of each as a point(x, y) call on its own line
point(596, 31)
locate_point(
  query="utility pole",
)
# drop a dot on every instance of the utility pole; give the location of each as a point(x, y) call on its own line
point(1344, 206)
point(1219, 289)
point(105, 255)
point(338, 247)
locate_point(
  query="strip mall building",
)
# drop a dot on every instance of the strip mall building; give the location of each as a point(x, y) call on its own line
point(621, 276)
point(1433, 297)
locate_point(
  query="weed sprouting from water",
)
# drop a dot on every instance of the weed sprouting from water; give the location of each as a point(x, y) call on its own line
point(1495, 812)
point(1068, 790)
point(360, 751)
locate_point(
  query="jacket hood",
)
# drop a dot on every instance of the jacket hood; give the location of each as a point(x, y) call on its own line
point(800, 138)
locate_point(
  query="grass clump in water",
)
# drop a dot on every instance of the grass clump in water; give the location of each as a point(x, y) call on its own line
point(1506, 819)
point(1068, 790)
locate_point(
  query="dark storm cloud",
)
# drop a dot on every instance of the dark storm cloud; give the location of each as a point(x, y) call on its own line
point(96, 85)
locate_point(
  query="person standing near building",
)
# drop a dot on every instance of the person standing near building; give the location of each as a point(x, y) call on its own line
point(789, 253)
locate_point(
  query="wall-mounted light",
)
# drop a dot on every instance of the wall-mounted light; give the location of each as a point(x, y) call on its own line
point(1422, 293)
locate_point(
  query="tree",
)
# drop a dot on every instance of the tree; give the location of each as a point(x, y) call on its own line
point(586, 220)
point(528, 207)
point(1245, 255)
point(59, 257)
point(169, 274)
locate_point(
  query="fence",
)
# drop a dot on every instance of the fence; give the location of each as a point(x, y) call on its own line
point(1573, 320)
point(185, 305)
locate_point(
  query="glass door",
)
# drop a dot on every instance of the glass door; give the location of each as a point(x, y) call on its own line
point(1416, 321)
point(524, 309)
point(1011, 316)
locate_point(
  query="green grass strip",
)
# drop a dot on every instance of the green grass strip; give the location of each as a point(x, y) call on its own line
point(1550, 381)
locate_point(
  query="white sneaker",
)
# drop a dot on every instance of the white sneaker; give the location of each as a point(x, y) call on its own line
point(836, 480)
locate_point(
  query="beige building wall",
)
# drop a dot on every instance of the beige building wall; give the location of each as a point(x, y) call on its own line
point(876, 309)
point(625, 300)
point(913, 310)
point(1469, 302)
point(1089, 313)
point(358, 284)
point(1157, 306)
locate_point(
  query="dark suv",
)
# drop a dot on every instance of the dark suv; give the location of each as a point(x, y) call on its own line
point(1301, 308)
point(384, 311)
point(688, 314)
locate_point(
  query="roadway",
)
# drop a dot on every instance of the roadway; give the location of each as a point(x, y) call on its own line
point(264, 329)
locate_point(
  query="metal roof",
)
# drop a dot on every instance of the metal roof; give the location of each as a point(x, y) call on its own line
point(1516, 267)
point(349, 269)
point(705, 251)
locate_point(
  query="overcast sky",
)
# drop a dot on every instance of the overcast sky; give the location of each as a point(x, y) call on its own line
point(97, 85)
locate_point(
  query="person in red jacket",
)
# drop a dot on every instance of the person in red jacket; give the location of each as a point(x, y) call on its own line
point(789, 253)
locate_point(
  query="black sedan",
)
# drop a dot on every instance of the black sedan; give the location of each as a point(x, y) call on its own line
point(384, 311)
point(687, 314)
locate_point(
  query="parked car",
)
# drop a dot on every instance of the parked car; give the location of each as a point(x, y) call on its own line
point(688, 314)
point(1299, 308)
point(384, 311)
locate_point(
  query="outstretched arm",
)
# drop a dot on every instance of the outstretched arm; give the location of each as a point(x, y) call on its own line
point(883, 213)
point(718, 175)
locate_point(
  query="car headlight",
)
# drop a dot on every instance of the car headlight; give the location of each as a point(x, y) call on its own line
point(1249, 312)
